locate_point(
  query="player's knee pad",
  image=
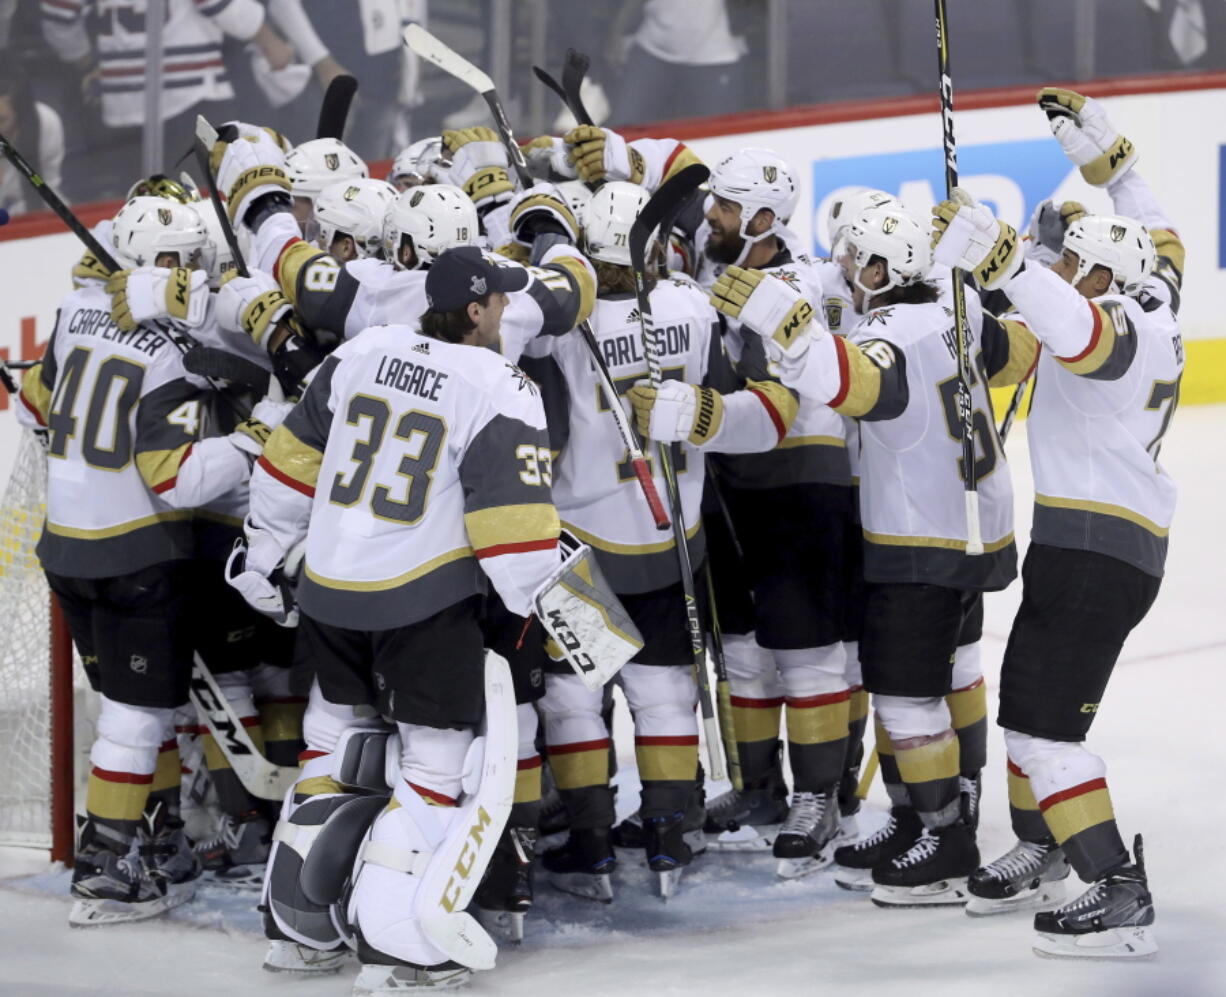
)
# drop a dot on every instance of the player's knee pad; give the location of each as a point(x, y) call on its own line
point(571, 711)
point(419, 865)
point(325, 722)
point(968, 666)
point(751, 668)
point(270, 682)
point(526, 724)
point(907, 716)
point(660, 699)
point(128, 737)
point(432, 760)
point(812, 671)
point(852, 672)
point(1053, 766)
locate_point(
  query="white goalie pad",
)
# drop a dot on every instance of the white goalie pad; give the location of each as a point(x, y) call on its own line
point(585, 618)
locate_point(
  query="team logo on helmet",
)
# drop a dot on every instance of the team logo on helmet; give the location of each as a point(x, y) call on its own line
point(889, 225)
point(164, 216)
point(770, 173)
point(415, 200)
point(478, 285)
point(1117, 233)
point(332, 161)
point(351, 193)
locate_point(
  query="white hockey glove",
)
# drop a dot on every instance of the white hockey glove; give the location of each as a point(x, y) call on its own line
point(1086, 135)
point(249, 162)
point(264, 575)
point(150, 293)
point(676, 412)
point(585, 620)
point(1049, 223)
point(600, 154)
point(251, 305)
point(479, 165)
point(965, 234)
point(542, 208)
point(251, 434)
point(768, 305)
point(548, 155)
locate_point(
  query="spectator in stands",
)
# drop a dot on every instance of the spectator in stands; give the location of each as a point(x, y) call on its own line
point(36, 130)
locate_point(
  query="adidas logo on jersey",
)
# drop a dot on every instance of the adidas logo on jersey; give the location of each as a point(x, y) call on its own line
point(421, 348)
point(633, 318)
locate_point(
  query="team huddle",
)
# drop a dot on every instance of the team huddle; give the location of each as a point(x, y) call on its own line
point(378, 477)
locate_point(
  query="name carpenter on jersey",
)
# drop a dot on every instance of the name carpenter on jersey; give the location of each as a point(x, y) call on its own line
point(96, 322)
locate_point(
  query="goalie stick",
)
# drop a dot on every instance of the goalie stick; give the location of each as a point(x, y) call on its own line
point(433, 50)
point(673, 190)
point(260, 777)
point(974, 536)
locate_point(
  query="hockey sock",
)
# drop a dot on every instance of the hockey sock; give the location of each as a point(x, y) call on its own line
point(281, 721)
point(818, 708)
point(525, 810)
point(665, 735)
point(890, 776)
point(577, 743)
point(1027, 820)
point(757, 705)
point(968, 710)
point(857, 721)
point(122, 762)
point(164, 795)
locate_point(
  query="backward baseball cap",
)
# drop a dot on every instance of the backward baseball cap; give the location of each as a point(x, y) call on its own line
point(463, 274)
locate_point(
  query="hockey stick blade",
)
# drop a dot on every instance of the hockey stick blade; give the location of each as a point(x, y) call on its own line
point(206, 134)
point(573, 71)
point(334, 111)
point(672, 193)
point(550, 82)
point(432, 50)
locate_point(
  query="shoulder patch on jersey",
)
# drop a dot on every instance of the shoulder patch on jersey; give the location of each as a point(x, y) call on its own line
point(833, 307)
point(881, 316)
point(522, 381)
point(789, 277)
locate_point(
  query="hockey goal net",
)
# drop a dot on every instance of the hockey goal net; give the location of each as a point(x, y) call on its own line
point(37, 681)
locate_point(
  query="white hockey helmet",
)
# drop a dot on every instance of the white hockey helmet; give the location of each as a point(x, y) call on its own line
point(147, 226)
point(853, 202)
point(355, 208)
point(896, 235)
point(577, 196)
point(425, 161)
point(435, 216)
point(314, 165)
point(756, 179)
point(1122, 245)
point(610, 213)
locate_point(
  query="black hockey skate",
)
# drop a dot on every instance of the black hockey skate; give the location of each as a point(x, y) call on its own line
point(582, 866)
point(931, 873)
point(1030, 874)
point(109, 887)
point(804, 844)
point(748, 819)
point(1111, 920)
point(855, 862)
point(971, 788)
point(630, 833)
point(237, 853)
point(505, 893)
point(168, 856)
point(668, 849)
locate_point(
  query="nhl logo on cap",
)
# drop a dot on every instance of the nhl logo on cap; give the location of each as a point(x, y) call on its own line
point(478, 285)
point(164, 216)
point(332, 161)
point(1117, 233)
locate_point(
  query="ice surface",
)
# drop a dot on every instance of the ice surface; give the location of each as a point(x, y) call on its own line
point(732, 928)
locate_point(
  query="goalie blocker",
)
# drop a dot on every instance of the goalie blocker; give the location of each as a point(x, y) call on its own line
point(586, 622)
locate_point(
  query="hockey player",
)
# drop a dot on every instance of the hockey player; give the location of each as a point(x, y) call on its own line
point(126, 466)
point(349, 216)
point(598, 500)
point(416, 467)
point(420, 163)
point(897, 373)
point(1106, 312)
point(311, 167)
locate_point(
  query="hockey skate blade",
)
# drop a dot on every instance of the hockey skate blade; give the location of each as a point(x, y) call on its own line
point(745, 838)
point(581, 884)
point(1136, 942)
point(506, 925)
point(289, 957)
point(668, 880)
point(91, 913)
point(859, 880)
point(807, 865)
point(374, 979)
point(240, 878)
point(1042, 897)
point(943, 893)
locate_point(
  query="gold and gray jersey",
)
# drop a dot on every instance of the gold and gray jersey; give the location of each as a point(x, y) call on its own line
point(420, 468)
point(595, 489)
point(127, 456)
point(1107, 387)
point(815, 448)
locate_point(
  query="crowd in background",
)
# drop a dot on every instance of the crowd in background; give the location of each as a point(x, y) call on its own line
point(72, 71)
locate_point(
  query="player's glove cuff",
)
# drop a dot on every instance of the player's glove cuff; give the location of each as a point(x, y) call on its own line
point(967, 235)
point(767, 305)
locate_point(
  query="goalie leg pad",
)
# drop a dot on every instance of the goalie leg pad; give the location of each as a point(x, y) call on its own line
point(585, 619)
point(420, 865)
point(361, 755)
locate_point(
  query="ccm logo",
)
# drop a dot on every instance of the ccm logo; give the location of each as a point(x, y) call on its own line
point(565, 636)
point(1089, 707)
point(464, 864)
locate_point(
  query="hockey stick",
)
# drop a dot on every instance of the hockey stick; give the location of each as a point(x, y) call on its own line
point(431, 49)
point(675, 189)
point(974, 536)
point(209, 361)
point(206, 139)
point(334, 111)
point(77, 227)
point(1015, 403)
point(723, 690)
point(260, 777)
point(870, 772)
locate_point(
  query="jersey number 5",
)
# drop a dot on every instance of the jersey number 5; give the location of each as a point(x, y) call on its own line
point(984, 431)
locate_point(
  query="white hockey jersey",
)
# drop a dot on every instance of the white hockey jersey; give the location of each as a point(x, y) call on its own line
point(415, 468)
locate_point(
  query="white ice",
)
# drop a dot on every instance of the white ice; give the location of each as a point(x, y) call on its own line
point(732, 929)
